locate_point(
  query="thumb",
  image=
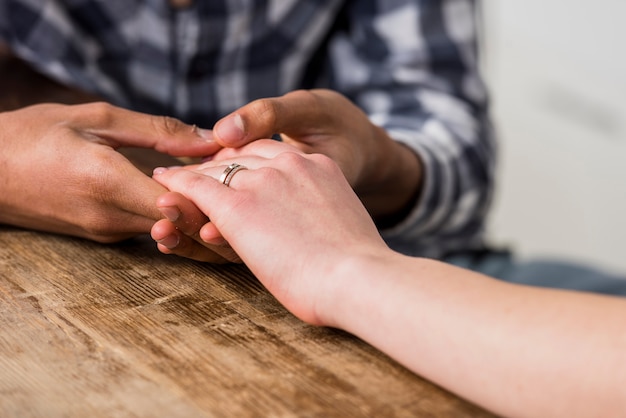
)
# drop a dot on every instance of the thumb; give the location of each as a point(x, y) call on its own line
point(118, 127)
point(297, 112)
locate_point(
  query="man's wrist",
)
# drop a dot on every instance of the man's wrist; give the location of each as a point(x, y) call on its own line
point(398, 190)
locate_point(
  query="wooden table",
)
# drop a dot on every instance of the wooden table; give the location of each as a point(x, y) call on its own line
point(92, 330)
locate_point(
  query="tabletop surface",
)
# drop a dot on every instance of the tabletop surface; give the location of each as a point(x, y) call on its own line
point(93, 330)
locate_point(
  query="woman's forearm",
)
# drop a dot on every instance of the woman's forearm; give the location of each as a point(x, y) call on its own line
point(512, 349)
point(515, 350)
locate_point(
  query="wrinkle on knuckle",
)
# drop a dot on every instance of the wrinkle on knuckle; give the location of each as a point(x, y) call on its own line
point(167, 125)
point(293, 161)
point(265, 111)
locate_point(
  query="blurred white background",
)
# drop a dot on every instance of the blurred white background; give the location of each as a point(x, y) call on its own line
point(557, 74)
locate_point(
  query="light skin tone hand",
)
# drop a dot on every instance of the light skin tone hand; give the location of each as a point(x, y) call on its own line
point(515, 350)
point(67, 177)
point(179, 232)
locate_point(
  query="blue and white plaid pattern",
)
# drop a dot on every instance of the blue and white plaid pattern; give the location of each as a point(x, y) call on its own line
point(411, 65)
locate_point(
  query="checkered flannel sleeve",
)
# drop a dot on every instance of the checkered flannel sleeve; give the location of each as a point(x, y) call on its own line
point(413, 67)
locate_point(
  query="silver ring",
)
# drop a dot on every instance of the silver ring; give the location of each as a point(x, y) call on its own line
point(230, 171)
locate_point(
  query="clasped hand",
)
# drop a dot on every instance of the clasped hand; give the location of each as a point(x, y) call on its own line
point(385, 174)
point(62, 173)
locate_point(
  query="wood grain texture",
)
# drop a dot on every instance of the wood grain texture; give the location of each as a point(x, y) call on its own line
point(91, 330)
point(122, 330)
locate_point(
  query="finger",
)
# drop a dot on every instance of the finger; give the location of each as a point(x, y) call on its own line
point(298, 111)
point(188, 219)
point(182, 213)
point(204, 190)
point(121, 127)
point(209, 193)
point(216, 168)
point(211, 235)
point(114, 182)
point(265, 148)
point(182, 237)
point(252, 156)
point(171, 240)
point(116, 215)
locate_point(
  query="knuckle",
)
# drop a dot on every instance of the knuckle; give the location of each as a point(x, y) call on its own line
point(316, 102)
point(311, 98)
point(97, 113)
point(265, 111)
point(307, 165)
point(292, 159)
point(324, 161)
point(298, 162)
point(167, 125)
point(196, 183)
point(264, 175)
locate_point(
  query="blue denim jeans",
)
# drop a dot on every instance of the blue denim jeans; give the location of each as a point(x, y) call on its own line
point(541, 272)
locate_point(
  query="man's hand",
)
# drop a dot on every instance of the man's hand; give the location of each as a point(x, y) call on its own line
point(61, 172)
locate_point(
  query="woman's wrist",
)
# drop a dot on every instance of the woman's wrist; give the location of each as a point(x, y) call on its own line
point(352, 285)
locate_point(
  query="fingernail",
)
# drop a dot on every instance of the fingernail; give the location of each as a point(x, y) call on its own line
point(170, 241)
point(172, 213)
point(231, 128)
point(219, 242)
point(159, 170)
point(205, 134)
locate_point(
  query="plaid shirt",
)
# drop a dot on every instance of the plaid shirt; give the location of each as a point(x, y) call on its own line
point(410, 65)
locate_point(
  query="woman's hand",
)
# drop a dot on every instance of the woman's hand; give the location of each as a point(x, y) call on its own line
point(289, 215)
